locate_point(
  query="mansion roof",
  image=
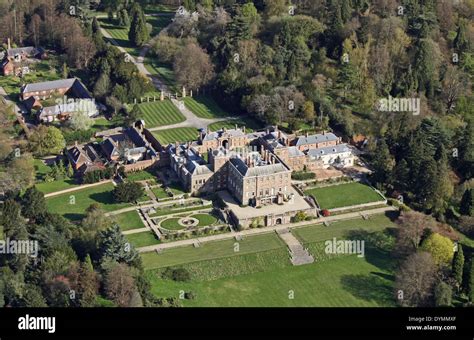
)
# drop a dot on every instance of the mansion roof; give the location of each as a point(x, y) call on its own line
point(315, 139)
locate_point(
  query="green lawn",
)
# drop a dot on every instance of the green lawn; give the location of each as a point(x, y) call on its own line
point(146, 238)
point(262, 276)
point(161, 113)
point(347, 281)
point(205, 219)
point(160, 192)
point(50, 187)
point(72, 205)
point(144, 175)
point(120, 35)
point(128, 220)
point(317, 233)
point(250, 124)
point(42, 170)
point(184, 134)
point(171, 224)
point(164, 71)
point(344, 195)
point(205, 107)
point(211, 250)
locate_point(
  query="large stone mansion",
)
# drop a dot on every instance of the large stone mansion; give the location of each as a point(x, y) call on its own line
point(253, 170)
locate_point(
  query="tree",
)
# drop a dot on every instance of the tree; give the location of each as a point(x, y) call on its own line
point(123, 18)
point(128, 192)
point(10, 218)
point(411, 228)
point(114, 245)
point(440, 247)
point(46, 140)
point(275, 7)
point(443, 295)
point(119, 284)
point(102, 85)
point(458, 265)
point(88, 284)
point(33, 203)
point(95, 220)
point(80, 121)
point(138, 33)
point(467, 203)
point(415, 280)
point(308, 110)
point(470, 281)
point(196, 72)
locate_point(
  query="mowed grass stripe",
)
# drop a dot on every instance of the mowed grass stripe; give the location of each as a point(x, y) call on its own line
point(161, 113)
point(204, 107)
point(176, 135)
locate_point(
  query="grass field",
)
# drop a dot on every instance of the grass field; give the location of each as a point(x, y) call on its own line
point(205, 107)
point(250, 124)
point(342, 282)
point(120, 35)
point(205, 219)
point(160, 192)
point(72, 205)
point(164, 71)
point(262, 276)
point(317, 233)
point(183, 134)
point(344, 195)
point(160, 113)
point(50, 187)
point(146, 238)
point(211, 250)
point(42, 170)
point(128, 220)
point(171, 224)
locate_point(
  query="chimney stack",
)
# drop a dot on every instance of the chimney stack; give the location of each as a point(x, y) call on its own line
point(9, 44)
point(244, 129)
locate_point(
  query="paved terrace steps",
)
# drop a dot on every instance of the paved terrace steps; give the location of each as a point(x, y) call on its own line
point(299, 255)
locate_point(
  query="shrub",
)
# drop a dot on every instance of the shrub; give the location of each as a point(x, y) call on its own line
point(325, 212)
point(302, 176)
point(128, 192)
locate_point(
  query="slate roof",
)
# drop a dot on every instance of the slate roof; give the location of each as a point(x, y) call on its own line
point(328, 150)
point(73, 84)
point(315, 139)
point(259, 170)
point(30, 51)
point(220, 133)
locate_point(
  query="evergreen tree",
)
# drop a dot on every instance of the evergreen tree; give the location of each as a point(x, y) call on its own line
point(467, 203)
point(458, 265)
point(10, 217)
point(34, 203)
point(470, 281)
point(114, 245)
point(138, 33)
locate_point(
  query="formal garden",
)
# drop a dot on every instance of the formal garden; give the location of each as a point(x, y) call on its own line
point(205, 107)
point(181, 135)
point(256, 271)
point(160, 113)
